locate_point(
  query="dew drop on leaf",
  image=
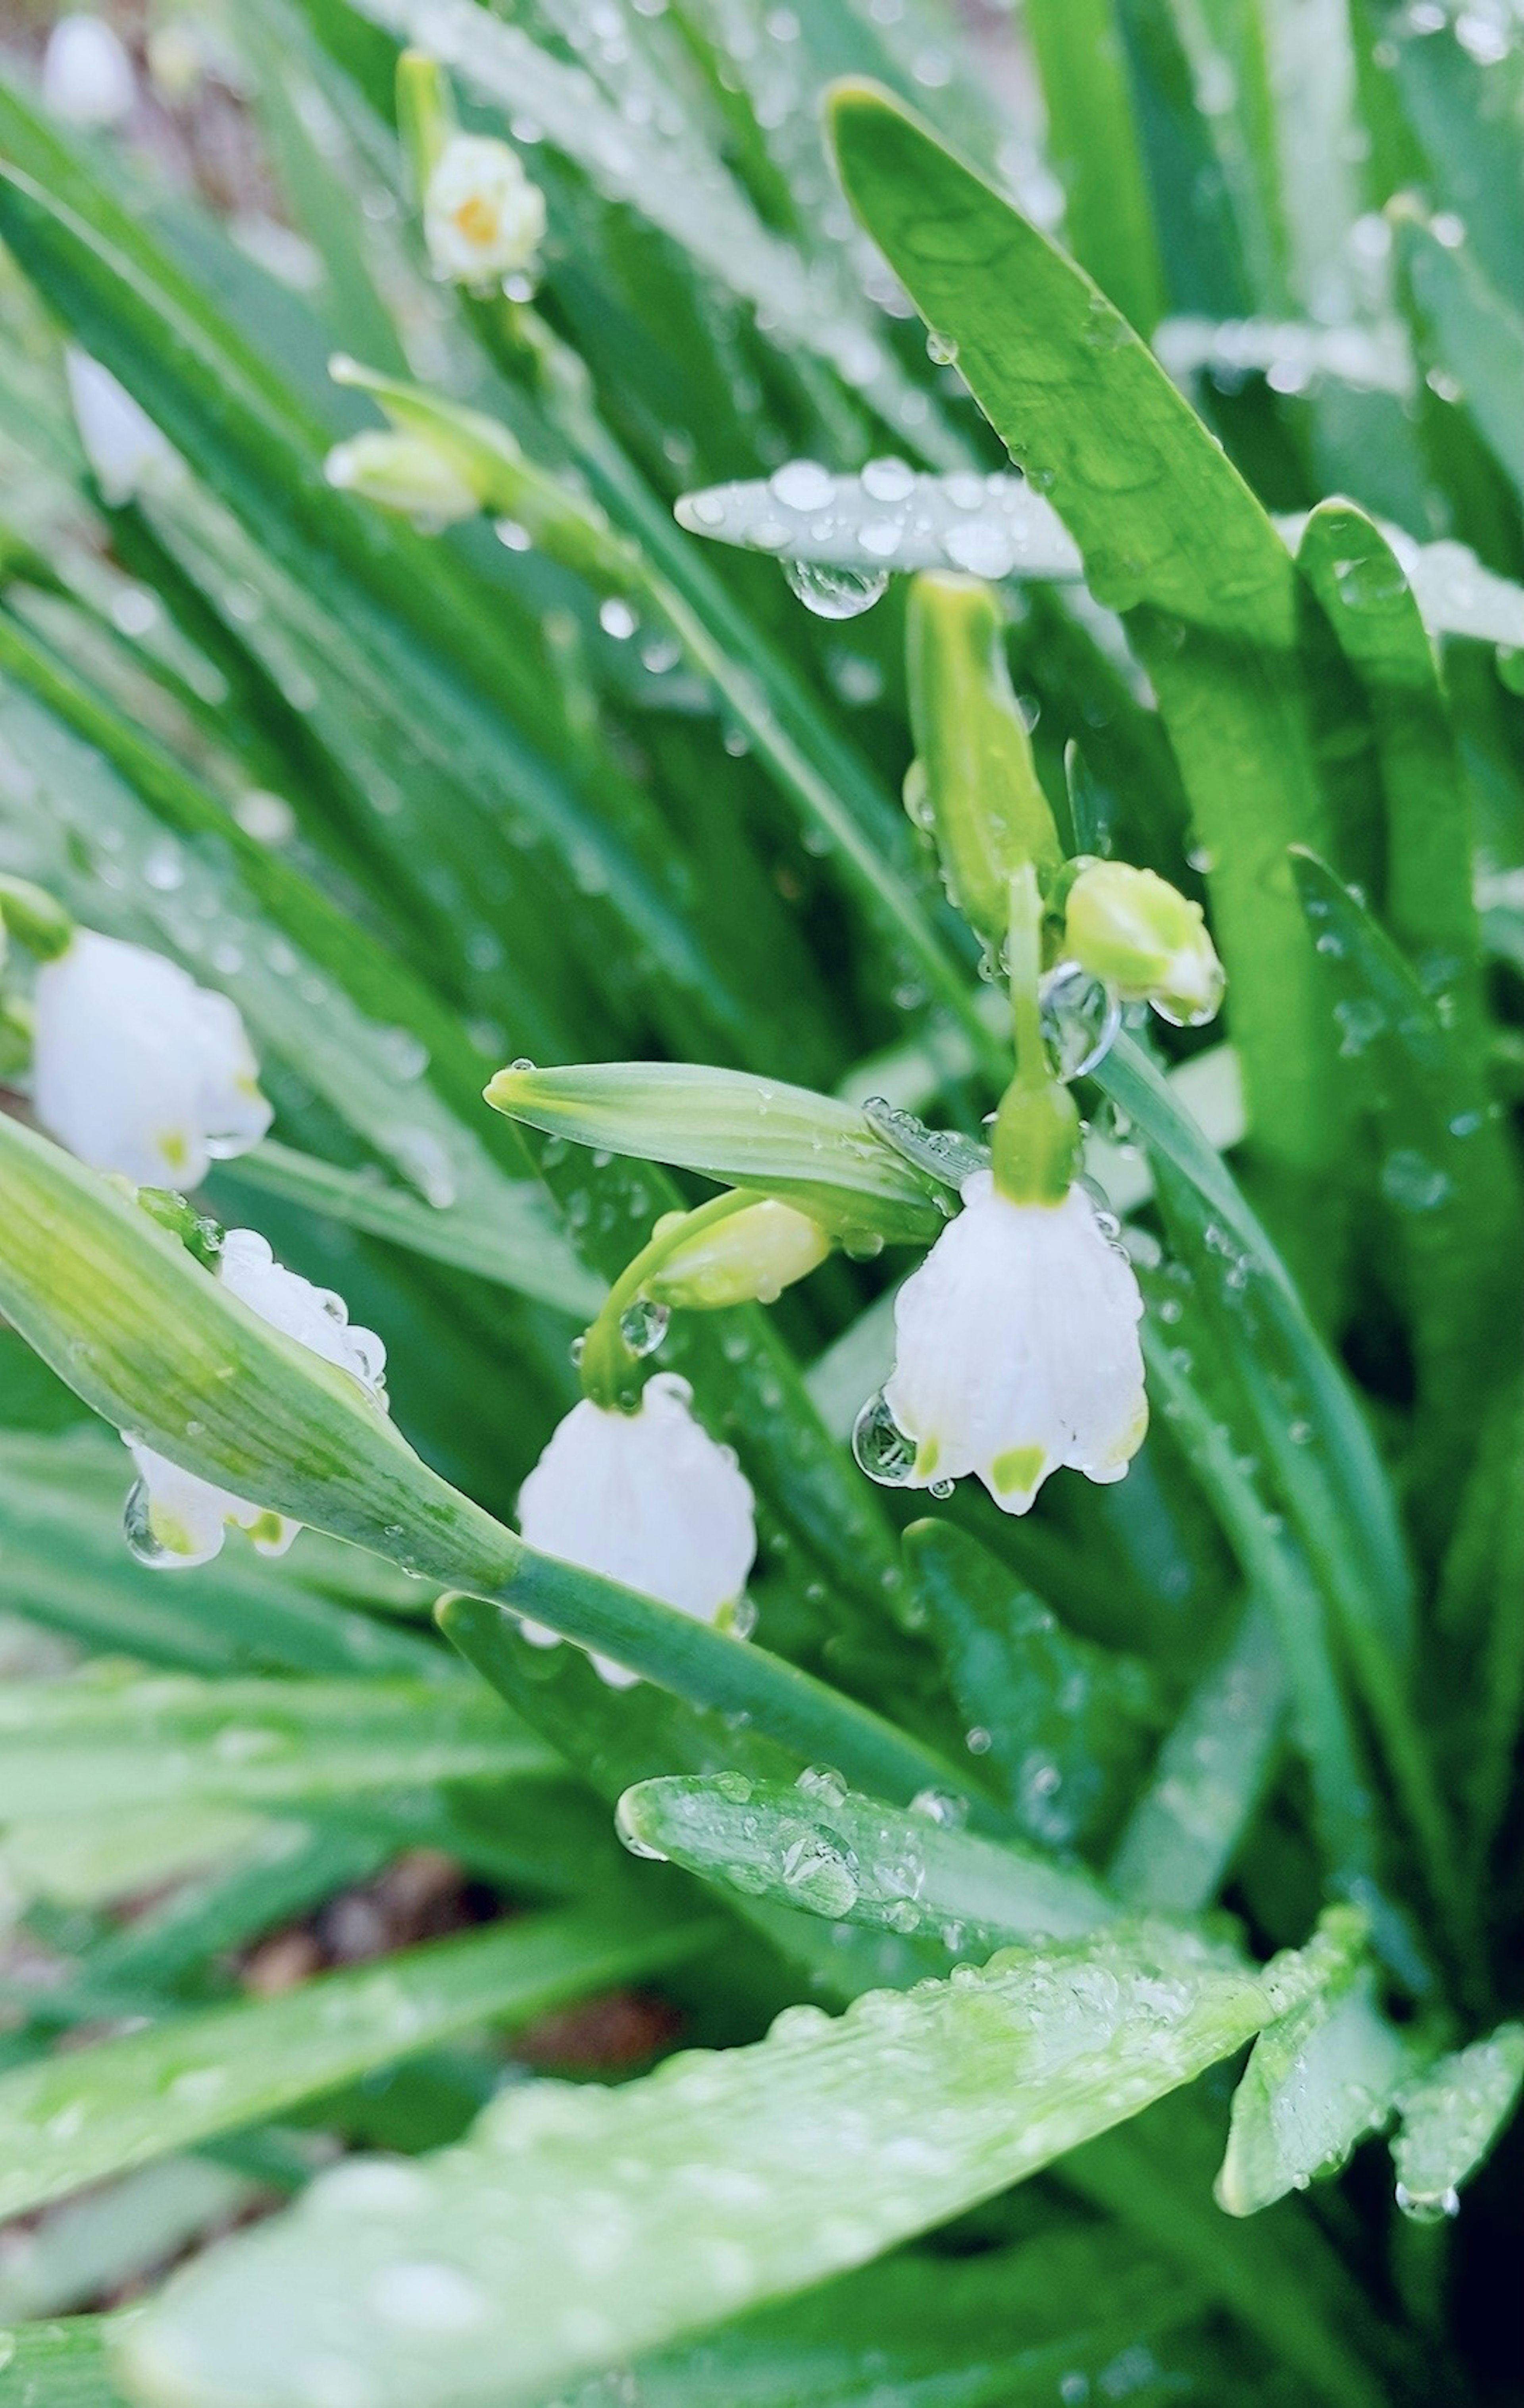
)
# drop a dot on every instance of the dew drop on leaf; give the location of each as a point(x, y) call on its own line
point(834, 593)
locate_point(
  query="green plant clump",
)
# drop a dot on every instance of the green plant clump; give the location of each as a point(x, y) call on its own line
point(762, 1003)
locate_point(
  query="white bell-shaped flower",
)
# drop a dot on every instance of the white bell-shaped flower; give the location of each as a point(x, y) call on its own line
point(646, 1498)
point(1016, 1349)
point(483, 218)
point(137, 1069)
point(175, 1519)
point(87, 76)
point(120, 442)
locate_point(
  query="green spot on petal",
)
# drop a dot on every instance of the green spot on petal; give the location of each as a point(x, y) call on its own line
point(1018, 1471)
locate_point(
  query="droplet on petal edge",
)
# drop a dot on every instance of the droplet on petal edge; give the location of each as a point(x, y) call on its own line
point(880, 1446)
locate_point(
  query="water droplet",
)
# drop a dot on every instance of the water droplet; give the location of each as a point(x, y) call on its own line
point(1365, 584)
point(822, 1781)
point(941, 1807)
point(941, 350)
point(889, 481)
point(981, 548)
point(1413, 1184)
point(643, 1326)
point(881, 1447)
point(617, 619)
point(834, 593)
point(803, 485)
point(978, 1742)
point(941, 1489)
point(1422, 2207)
point(1081, 1016)
point(137, 1528)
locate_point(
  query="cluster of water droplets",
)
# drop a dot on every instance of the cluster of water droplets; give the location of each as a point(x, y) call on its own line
point(839, 536)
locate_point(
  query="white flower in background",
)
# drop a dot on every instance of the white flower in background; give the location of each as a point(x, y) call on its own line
point(646, 1498)
point(175, 1519)
point(137, 1069)
point(401, 472)
point(87, 76)
point(122, 443)
point(483, 218)
point(1016, 1349)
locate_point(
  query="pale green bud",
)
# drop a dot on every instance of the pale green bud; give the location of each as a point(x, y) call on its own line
point(402, 472)
point(34, 918)
point(1149, 941)
point(747, 1258)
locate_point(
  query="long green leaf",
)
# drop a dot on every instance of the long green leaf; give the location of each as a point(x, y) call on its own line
point(84, 1747)
point(1452, 2115)
point(712, 2186)
point(73, 2119)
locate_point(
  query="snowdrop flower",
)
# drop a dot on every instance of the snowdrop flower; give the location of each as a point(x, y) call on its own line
point(483, 220)
point(646, 1498)
point(177, 1520)
point(1016, 1349)
point(401, 472)
point(122, 443)
point(87, 76)
point(137, 1069)
point(1136, 931)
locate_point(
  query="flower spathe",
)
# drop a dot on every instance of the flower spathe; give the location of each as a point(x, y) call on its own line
point(174, 1519)
point(483, 218)
point(646, 1498)
point(137, 1069)
point(1017, 1348)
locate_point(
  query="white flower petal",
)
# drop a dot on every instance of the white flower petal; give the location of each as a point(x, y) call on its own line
point(122, 443)
point(87, 76)
point(646, 1498)
point(483, 217)
point(1016, 1349)
point(175, 1517)
point(137, 1069)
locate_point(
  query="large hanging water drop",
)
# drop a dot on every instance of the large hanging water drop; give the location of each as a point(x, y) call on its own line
point(1081, 1015)
point(138, 1527)
point(834, 593)
point(880, 1446)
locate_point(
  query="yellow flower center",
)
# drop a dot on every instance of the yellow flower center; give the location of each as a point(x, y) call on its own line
point(476, 219)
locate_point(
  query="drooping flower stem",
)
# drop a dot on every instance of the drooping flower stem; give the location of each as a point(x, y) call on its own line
point(1036, 1133)
point(610, 1369)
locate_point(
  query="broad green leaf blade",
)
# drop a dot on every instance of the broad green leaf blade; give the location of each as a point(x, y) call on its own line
point(751, 1132)
point(1479, 1624)
point(1062, 1720)
point(1003, 2329)
point(92, 1745)
point(73, 2119)
point(518, 1246)
point(1318, 2081)
point(1186, 1826)
point(818, 1846)
point(1171, 537)
point(577, 2227)
point(59, 2365)
point(1451, 2116)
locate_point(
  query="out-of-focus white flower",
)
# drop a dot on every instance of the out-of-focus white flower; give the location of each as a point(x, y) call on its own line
point(120, 442)
point(402, 472)
point(175, 1519)
point(1147, 939)
point(483, 218)
point(1016, 1349)
point(646, 1498)
point(137, 1069)
point(87, 76)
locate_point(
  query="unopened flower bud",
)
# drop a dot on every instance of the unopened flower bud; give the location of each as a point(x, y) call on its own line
point(483, 220)
point(401, 472)
point(749, 1259)
point(1149, 941)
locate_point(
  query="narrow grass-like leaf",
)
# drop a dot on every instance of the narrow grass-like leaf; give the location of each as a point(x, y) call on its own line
point(519, 1246)
point(750, 1132)
point(1186, 1828)
point(83, 1746)
point(1446, 1168)
point(1061, 1720)
point(716, 2184)
point(1477, 335)
point(1451, 2116)
point(76, 2119)
point(818, 1846)
point(1318, 2081)
point(1171, 537)
point(1092, 145)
